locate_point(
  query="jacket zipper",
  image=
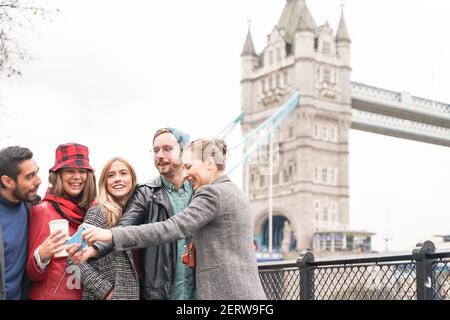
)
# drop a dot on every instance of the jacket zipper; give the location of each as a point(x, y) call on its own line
point(59, 282)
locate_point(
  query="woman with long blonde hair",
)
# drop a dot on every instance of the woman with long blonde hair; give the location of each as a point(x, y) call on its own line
point(113, 276)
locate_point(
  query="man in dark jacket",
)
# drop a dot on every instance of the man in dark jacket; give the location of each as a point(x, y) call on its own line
point(165, 276)
point(19, 182)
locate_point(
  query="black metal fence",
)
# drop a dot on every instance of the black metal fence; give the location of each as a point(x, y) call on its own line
point(423, 274)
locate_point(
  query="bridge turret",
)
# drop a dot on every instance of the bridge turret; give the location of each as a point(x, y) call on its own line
point(249, 61)
point(305, 52)
point(343, 41)
point(304, 34)
point(343, 44)
point(248, 56)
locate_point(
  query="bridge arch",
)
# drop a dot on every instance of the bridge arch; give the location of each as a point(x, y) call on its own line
point(280, 220)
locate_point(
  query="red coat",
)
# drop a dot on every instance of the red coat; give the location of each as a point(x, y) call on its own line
point(57, 281)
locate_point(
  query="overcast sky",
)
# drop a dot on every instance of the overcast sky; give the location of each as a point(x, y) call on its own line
point(109, 73)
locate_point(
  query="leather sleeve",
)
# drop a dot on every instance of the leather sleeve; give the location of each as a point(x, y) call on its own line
point(204, 208)
point(38, 231)
point(135, 213)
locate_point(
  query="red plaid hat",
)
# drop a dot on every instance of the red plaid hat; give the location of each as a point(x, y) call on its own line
point(71, 155)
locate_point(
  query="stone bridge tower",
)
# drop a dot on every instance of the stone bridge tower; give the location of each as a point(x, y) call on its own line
point(310, 182)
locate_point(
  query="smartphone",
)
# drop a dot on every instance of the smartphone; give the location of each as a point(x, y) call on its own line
point(76, 237)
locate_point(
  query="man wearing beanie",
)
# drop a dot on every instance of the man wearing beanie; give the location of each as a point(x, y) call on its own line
point(164, 275)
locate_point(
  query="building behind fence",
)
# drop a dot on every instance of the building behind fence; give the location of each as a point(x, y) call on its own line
point(422, 274)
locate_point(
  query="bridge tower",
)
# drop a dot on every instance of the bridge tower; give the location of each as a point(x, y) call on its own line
point(310, 178)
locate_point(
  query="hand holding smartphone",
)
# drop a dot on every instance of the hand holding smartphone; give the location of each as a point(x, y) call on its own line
point(76, 237)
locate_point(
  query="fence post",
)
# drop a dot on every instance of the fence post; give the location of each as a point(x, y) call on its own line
point(424, 276)
point(306, 275)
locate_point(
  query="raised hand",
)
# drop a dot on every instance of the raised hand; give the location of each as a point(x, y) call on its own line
point(79, 256)
point(93, 234)
point(54, 243)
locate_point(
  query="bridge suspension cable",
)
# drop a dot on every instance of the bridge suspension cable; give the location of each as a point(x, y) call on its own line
point(229, 127)
point(257, 137)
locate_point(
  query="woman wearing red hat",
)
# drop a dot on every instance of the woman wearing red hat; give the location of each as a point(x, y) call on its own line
point(71, 194)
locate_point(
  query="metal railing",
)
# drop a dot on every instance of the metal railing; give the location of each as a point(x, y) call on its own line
point(423, 274)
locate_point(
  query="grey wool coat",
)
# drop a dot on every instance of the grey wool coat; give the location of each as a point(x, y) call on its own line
point(219, 220)
point(115, 271)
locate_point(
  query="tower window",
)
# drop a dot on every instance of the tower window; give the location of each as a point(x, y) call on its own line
point(327, 75)
point(333, 207)
point(262, 181)
point(332, 177)
point(317, 205)
point(334, 211)
point(286, 176)
point(324, 175)
point(285, 76)
point(291, 132)
point(324, 133)
point(292, 170)
point(316, 174)
point(326, 47)
point(333, 134)
point(316, 132)
point(278, 55)
point(325, 213)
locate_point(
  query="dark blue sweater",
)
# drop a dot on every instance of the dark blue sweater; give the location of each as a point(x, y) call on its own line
point(14, 223)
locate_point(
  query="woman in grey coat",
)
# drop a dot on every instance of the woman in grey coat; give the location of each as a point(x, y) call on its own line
point(219, 220)
point(114, 276)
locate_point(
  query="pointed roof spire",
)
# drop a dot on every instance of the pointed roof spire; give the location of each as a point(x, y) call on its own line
point(306, 20)
point(249, 48)
point(290, 17)
point(342, 32)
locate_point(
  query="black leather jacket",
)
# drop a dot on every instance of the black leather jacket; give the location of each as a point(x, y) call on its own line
point(149, 204)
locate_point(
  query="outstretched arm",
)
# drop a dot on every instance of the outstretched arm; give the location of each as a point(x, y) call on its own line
point(133, 215)
point(204, 207)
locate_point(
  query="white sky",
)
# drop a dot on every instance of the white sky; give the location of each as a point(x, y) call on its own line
point(108, 73)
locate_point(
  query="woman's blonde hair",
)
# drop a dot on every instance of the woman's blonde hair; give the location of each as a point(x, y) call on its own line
point(88, 194)
point(111, 208)
point(216, 149)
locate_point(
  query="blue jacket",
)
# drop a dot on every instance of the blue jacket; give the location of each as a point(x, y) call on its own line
point(2, 267)
point(26, 283)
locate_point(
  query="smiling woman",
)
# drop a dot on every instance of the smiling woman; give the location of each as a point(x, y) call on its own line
point(71, 193)
point(114, 276)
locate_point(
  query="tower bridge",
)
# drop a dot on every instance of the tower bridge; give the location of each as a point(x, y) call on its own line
point(309, 186)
